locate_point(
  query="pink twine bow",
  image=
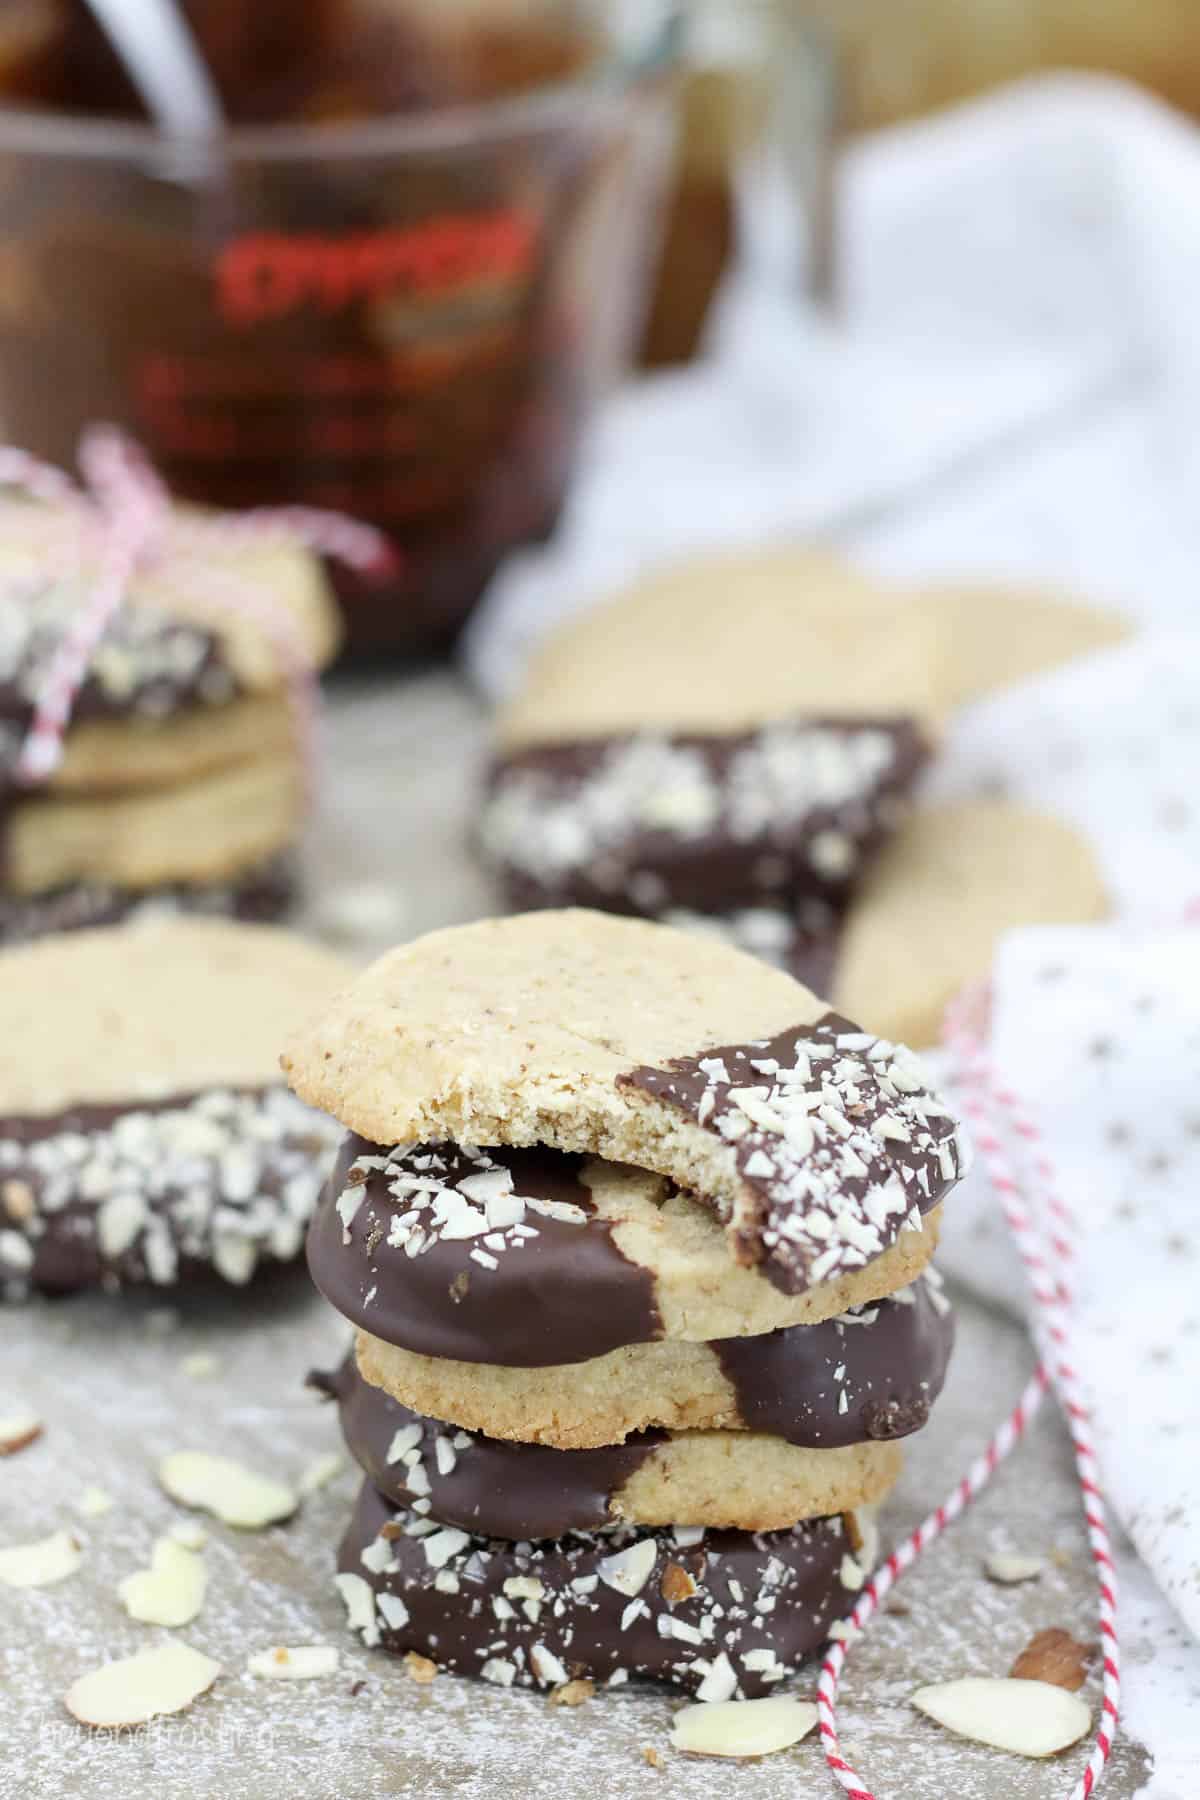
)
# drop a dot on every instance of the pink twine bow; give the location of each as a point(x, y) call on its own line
point(121, 519)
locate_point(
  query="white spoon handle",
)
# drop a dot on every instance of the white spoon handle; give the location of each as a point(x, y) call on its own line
point(161, 57)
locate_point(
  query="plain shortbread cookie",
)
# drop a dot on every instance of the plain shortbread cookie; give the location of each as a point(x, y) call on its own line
point(927, 918)
point(727, 642)
point(210, 829)
point(144, 1011)
point(993, 637)
point(674, 1384)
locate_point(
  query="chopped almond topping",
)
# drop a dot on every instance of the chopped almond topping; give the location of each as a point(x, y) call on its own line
point(676, 1584)
point(573, 1693)
point(419, 1668)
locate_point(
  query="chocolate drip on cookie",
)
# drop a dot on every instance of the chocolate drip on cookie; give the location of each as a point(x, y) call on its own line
point(452, 1252)
point(873, 1373)
point(725, 1613)
point(260, 895)
point(482, 1484)
point(644, 822)
point(153, 1191)
point(836, 1141)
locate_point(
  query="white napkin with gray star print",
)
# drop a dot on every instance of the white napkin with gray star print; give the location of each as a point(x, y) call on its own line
point(1098, 1031)
point(1111, 744)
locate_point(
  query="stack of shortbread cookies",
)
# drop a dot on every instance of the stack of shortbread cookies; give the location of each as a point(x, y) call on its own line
point(636, 1235)
point(181, 782)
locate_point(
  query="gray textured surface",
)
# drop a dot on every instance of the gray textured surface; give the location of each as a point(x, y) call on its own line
point(108, 1380)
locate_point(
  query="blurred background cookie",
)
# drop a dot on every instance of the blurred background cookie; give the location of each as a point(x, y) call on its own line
point(991, 636)
point(182, 779)
point(738, 733)
point(734, 746)
point(145, 1133)
point(926, 921)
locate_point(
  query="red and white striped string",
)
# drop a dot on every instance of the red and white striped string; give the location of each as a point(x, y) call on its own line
point(121, 522)
point(1046, 1247)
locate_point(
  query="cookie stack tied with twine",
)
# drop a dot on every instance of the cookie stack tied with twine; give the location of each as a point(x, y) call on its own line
point(150, 1140)
point(157, 693)
point(636, 1235)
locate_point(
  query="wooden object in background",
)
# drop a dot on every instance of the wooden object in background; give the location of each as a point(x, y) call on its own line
point(901, 57)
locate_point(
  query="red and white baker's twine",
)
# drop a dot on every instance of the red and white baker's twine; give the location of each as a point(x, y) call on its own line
point(118, 524)
point(1045, 1247)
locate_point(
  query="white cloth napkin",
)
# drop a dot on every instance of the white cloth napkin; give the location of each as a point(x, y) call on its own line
point(1012, 391)
point(1098, 1030)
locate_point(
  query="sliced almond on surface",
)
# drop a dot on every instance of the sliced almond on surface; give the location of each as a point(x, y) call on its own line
point(18, 1430)
point(142, 1687)
point(188, 1532)
point(226, 1489)
point(742, 1727)
point(419, 1668)
point(171, 1591)
point(93, 1503)
point(1055, 1656)
point(319, 1473)
point(305, 1662)
point(1009, 1567)
point(1029, 1718)
point(41, 1563)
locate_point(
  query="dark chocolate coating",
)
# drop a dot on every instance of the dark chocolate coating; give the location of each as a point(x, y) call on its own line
point(873, 1374)
point(505, 1490)
point(179, 1165)
point(167, 665)
point(262, 895)
point(631, 865)
point(771, 1595)
point(790, 1188)
point(892, 1357)
point(524, 1313)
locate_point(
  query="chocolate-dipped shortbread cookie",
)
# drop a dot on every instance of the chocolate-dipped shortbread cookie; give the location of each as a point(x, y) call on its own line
point(751, 1482)
point(870, 1375)
point(814, 1143)
point(148, 1139)
point(727, 1614)
point(537, 1257)
point(649, 822)
point(731, 736)
point(181, 769)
